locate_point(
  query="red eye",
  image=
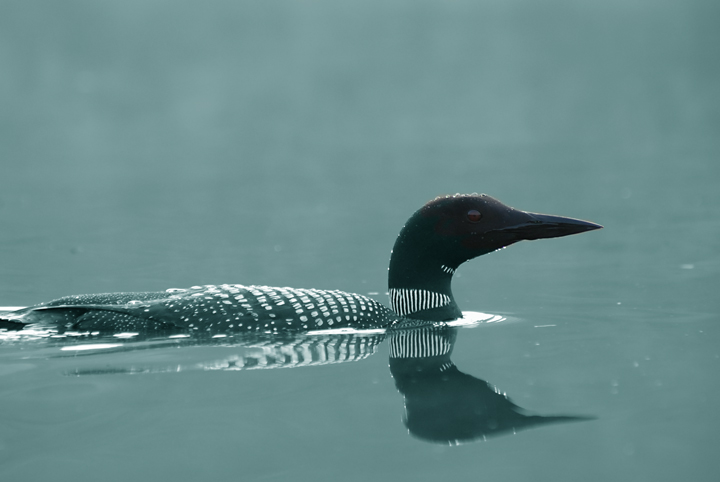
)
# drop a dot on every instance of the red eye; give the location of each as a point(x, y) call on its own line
point(474, 215)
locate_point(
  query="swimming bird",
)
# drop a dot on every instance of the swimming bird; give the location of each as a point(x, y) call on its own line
point(435, 241)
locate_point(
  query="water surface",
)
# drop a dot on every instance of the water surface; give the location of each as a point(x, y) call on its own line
point(147, 145)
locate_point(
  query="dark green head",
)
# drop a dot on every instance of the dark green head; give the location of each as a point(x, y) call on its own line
point(450, 230)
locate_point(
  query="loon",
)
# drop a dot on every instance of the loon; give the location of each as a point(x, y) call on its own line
point(433, 243)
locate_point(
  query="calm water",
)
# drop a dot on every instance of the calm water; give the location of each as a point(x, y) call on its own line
point(148, 145)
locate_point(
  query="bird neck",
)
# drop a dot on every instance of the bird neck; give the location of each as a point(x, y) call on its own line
point(420, 284)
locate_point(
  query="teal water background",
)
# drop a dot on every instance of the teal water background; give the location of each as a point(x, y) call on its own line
point(148, 145)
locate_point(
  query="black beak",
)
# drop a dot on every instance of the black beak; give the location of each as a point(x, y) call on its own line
point(538, 226)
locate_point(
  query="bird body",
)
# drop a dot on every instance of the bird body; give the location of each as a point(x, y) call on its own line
point(212, 309)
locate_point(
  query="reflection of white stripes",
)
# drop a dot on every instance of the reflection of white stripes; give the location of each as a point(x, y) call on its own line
point(406, 301)
point(418, 344)
point(447, 269)
point(307, 352)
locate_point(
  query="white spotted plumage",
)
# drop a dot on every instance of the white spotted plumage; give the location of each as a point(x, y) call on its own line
point(302, 308)
point(215, 309)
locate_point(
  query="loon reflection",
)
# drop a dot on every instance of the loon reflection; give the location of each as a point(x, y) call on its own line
point(443, 404)
point(136, 355)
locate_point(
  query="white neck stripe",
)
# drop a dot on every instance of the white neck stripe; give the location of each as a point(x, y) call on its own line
point(405, 301)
